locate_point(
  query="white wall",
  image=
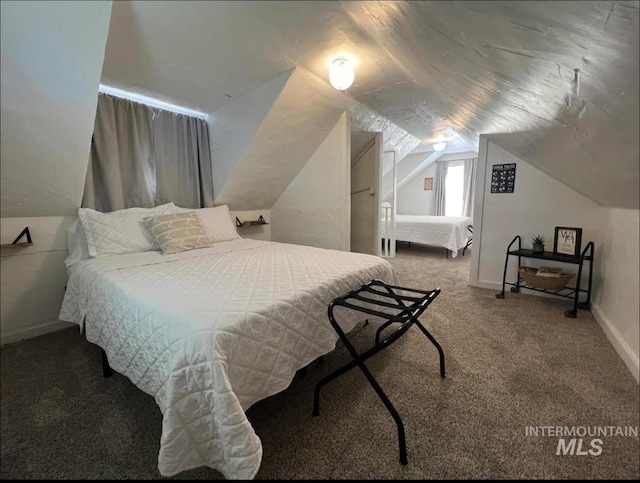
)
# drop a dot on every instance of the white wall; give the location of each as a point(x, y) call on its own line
point(616, 302)
point(539, 204)
point(255, 232)
point(412, 199)
point(232, 127)
point(52, 56)
point(32, 279)
point(300, 118)
point(315, 208)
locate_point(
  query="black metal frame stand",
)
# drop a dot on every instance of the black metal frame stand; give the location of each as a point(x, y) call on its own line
point(566, 292)
point(106, 368)
point(410, 307)
point(469, 241)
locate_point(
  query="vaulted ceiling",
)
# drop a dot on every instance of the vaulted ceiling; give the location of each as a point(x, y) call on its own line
point(554, 82)
point(438, 70)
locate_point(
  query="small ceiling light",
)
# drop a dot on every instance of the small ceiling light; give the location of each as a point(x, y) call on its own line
point(439, 146)
point(341, 74)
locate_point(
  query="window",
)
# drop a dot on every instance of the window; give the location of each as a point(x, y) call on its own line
point(454, 187)
point(144, 156)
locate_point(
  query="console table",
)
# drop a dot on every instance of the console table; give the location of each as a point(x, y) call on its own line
point(566, 292)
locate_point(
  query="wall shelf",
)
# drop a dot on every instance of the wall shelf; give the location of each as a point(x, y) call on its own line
point(258, 222)
point(15, 243)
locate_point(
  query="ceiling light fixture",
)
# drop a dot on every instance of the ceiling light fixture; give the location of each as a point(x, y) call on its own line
point(341, 73)
point(439, 146)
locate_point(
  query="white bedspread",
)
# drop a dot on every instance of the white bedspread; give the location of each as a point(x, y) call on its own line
point(442, 231)
point(210, 332)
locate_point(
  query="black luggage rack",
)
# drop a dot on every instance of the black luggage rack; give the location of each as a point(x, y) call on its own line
point(409, 308)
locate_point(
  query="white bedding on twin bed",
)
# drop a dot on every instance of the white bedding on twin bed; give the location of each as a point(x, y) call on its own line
point(442, 231)
point(209, 332)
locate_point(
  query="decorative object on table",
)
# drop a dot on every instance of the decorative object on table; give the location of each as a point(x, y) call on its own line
point(503, 178)
point(567, 241)
point(428, 184)
point(537, 244)
point(546, 278)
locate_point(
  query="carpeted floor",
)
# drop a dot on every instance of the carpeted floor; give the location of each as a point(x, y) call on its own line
point(511, 364)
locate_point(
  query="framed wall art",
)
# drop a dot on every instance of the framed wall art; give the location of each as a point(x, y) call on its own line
point(566, 241)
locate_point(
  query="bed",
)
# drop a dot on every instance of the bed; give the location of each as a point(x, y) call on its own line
point(209, 332)
point(448, 232)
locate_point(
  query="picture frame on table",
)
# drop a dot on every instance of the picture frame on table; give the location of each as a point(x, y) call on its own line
point(567, 241)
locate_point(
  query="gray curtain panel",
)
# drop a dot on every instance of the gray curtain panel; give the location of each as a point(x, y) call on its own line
point(121, 172)
point(143, 157)
point(439, 185)
point(182, 160)
point(468, 190)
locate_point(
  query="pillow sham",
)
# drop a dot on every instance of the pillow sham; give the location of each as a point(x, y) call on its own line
point(121, 231)
point(216, 222)
point(178, 232)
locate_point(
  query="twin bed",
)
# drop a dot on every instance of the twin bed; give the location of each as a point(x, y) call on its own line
point(209, 332)
point(448, 232)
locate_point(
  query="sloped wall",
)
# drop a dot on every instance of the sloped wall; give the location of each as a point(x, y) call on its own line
point(600, 160)
point(299, 120)
point(52, 55)
point(232, 128)
point(315, 208)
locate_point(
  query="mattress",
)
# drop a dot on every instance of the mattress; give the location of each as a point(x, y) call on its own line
point(442, 231)
point(209, 332)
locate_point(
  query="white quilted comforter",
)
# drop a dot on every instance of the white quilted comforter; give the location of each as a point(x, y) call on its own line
point(441, 231)
point(209, 332)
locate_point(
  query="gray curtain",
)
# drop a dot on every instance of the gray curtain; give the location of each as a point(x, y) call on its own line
point(183, 160)
point(468, 190)
point(143, 156)
point(438, 190)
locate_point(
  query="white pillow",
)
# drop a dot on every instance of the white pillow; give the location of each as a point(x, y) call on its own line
point(122, 231)
point(216, 222)
point(76, 243)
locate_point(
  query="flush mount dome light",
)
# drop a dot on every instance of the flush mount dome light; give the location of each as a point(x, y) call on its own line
point(439, 146)
point(341, 73)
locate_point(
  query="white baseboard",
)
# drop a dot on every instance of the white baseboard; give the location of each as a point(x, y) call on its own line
point(618, 343)
point(7, 337)
point(486, 284)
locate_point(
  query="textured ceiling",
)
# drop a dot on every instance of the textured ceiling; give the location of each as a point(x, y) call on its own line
point(435, 70)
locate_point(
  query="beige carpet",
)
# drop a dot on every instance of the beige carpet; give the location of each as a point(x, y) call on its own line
point(511, 364)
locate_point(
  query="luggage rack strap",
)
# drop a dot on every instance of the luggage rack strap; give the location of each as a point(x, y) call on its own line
point(419, 304)
point(408, 308)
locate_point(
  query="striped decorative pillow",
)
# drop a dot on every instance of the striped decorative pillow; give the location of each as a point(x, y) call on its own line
point(178, 233)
